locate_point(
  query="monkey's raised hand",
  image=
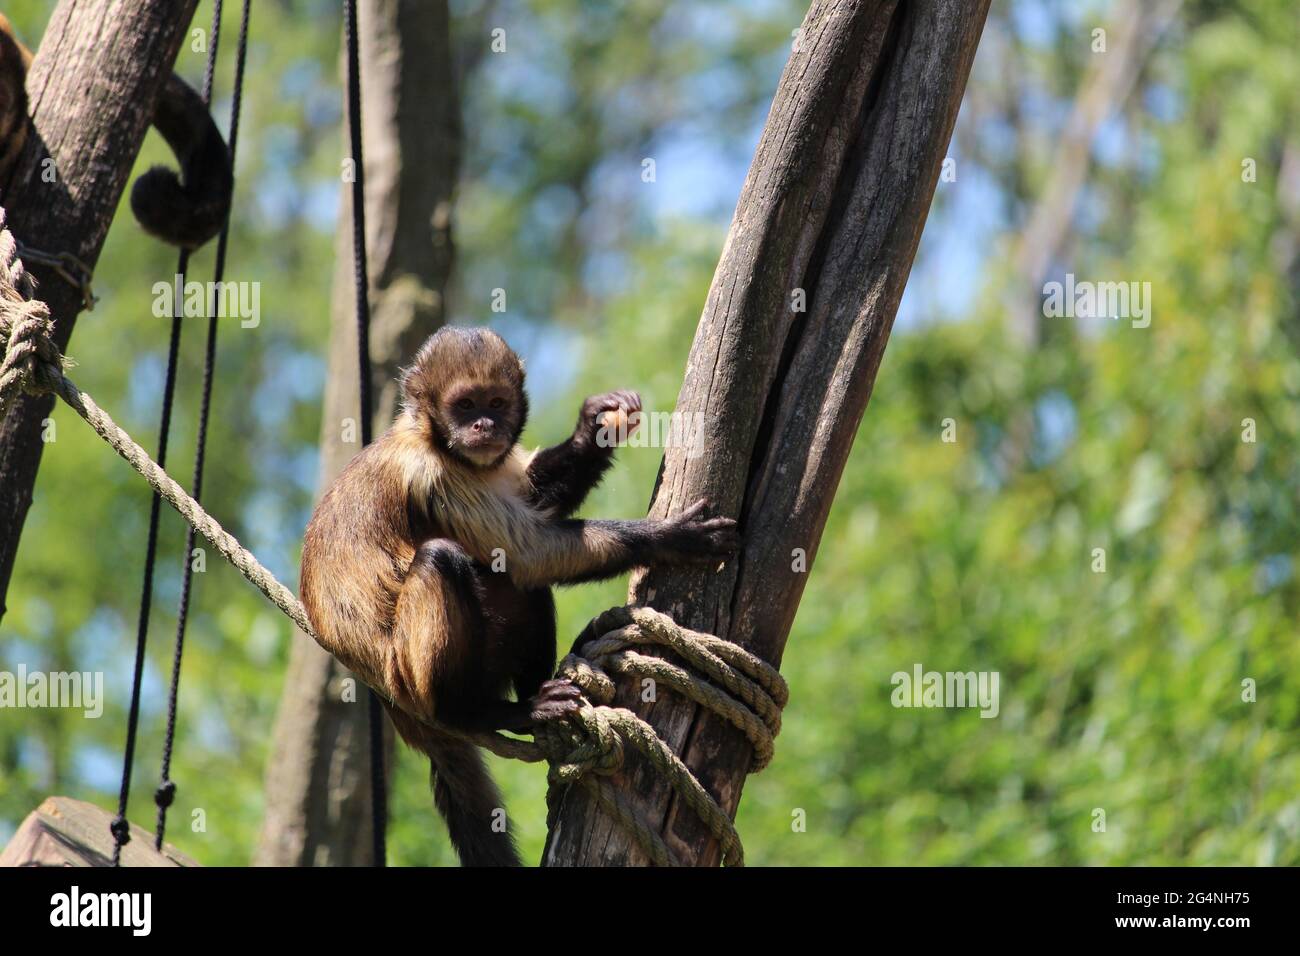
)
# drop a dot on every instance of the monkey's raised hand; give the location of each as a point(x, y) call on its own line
point(561, 476)
point(608, 420)
point(689, 538)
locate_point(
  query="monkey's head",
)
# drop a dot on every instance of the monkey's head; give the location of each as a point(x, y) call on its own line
point(466, 388)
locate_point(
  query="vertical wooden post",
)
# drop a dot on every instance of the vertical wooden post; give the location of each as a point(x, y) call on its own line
point(317, 786)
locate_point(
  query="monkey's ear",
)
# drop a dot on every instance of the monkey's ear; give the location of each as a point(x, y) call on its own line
point(415, 388)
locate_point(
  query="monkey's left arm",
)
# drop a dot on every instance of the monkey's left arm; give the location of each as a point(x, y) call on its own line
point(561, 476)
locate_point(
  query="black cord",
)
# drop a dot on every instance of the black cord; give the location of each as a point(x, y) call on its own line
point(120, 829)
point(378, 793)
point(166, 791)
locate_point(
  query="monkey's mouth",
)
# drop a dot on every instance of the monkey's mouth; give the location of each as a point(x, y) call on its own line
point(484, 449)
point(475, 442)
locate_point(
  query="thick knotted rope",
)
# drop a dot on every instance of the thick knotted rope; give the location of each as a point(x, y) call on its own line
point(584, 750)
point(25, 327)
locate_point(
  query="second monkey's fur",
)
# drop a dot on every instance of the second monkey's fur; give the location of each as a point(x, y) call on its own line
point(427, 565)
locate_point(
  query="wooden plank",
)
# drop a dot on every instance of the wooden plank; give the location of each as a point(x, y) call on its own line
point(67, 832)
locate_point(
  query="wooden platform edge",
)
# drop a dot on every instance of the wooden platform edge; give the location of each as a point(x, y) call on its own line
point(67, 832)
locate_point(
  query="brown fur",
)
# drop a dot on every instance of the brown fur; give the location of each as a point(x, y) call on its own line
point(14, 62)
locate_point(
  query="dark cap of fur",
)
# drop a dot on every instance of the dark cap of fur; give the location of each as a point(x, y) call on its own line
point(454, 355)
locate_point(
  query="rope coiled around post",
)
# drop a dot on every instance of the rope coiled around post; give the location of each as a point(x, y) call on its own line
point(584, 750)
point(589, 748)
point(25, 326)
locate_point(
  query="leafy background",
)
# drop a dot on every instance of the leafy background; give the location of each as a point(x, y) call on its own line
point(1120, 690)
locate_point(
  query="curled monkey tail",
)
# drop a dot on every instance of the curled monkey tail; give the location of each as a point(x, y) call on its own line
point(465, 795)
point(188, 209)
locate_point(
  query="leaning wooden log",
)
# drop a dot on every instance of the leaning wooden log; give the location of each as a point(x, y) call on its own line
point(92, 88)
point(783, 363)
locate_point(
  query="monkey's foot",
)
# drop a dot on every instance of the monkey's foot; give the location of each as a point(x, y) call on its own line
point(555, 700)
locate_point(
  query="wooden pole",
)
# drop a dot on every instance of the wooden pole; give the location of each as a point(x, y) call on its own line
point(91, 91)
point(830, 215)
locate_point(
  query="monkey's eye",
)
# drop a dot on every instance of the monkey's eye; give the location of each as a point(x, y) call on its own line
point(465, 403)
point(498, 402)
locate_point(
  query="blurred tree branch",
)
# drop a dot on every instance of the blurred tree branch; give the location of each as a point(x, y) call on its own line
point(317, 783)
point(1108, 83)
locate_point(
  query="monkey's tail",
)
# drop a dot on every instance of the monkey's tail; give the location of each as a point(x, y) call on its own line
point(465, 795)
point(185, 210)
point(468, 799)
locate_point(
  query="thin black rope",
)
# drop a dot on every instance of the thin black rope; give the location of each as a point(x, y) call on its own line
point(378, 791)
point(166, 791)
point(120, 828)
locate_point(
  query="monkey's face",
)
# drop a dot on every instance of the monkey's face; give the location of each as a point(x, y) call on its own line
point(480, 422)
point(466, 387)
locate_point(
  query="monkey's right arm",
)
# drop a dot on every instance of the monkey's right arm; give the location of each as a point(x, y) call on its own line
point(441, 586)
point(562, 476)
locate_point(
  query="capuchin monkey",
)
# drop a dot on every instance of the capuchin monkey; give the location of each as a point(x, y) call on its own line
point(428, 563)
point(185, 210)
